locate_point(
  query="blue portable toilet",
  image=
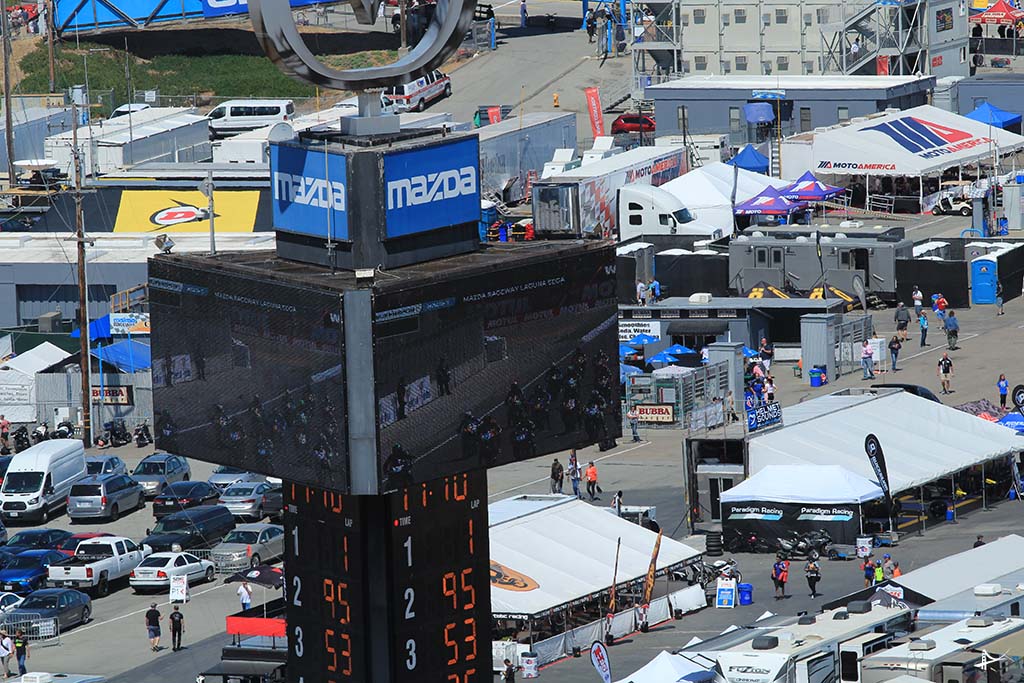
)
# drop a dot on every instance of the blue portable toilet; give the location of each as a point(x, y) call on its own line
point(984, 276)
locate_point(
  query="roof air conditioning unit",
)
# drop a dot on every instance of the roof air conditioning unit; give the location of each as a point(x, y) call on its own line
point(988, 589)
point(700, 298)
point(840, 616)
point(858, 607)
point(921, 645)
point(979, 622)
point(764, 643)
point(806, 620)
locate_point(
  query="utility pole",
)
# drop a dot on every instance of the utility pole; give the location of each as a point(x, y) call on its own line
point(83, 295)
point(50, 27)
point(401, 23)
point(8, 121)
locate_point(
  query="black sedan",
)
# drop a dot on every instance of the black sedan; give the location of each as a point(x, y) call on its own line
point(36, 539)
point(37, 612)
point(184, 494)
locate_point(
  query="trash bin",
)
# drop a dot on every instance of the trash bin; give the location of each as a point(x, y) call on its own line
point(815, 376)
point(529, 665)
point(950, 513)
point(746, 592)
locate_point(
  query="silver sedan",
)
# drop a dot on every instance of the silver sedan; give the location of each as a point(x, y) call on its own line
point(246, 499)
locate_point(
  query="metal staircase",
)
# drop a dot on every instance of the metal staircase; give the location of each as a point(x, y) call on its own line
point(499, 204)
point(878, 28)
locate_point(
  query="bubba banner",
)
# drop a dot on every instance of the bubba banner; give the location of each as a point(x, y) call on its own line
point(593, 96)
point(877, 459)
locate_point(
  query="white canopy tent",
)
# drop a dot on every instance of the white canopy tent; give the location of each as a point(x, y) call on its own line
point(923, 440)
point(550, 552)
point(707, 191)
point(669, 667)
point(815, 484)
point(18, 381)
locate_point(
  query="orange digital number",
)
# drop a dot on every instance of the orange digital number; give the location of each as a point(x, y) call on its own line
point(452, 644)
point(449, 590)
point(467, 588)
point(424, 496)
point(464, 678)
point(332, 666)
point(333, 595)
point(470, 537)
point(332, 501)
point(465, 487)
point(471, 638)
point(347, 654)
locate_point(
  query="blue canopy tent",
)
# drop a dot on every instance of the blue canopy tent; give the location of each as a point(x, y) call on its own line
point(98, 329)
point(627, 370)
point(994, 116)
point(807, 188)
point(679, 350)
point(1013, 420)
point(749, 352)
point(626, 351)
point(750, 159)
point(662, 358)
point(126, 356)
point(642, 339)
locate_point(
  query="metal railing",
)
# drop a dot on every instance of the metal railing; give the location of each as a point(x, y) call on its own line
point(41, 631)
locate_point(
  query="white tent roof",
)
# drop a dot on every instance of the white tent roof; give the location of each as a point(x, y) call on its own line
point(913, 142)
point(563, 553)
point(707, 191)
point(665, 668)
point(804, 484)
point(36, 360)
point(923, 440)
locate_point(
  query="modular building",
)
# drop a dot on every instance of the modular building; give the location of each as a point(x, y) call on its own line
point(720, 104)
point(516, 148)
point(1003, 90)
point(32, 125)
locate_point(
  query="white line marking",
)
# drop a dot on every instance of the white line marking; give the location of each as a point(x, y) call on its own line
point(96, 624)
point(538, 481)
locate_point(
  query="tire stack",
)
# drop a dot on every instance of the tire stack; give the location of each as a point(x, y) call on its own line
point(714, 544)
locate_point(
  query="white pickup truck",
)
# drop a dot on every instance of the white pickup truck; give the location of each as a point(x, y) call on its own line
point(97, 562)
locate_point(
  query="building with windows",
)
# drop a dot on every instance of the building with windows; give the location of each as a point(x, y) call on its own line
point(747, 107)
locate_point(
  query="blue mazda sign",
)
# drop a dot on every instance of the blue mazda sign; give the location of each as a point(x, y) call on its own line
point(309, 194)
point(220, 8)
point(432, 188)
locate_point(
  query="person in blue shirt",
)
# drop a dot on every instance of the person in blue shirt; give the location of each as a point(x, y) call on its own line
point(1004, 387)
point(923, 321)
point(952, 326)
point(655, 288)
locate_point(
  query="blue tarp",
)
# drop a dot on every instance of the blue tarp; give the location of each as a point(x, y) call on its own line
point(126, 356)
point(994, 116)
point(758, 112)
point(750, 159)
point(809, 189)
point(98, 329)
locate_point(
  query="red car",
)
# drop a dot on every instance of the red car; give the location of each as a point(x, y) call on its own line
point(633, 123)
point(69, 546)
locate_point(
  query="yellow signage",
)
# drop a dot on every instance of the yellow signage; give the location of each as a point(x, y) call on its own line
point(186, 211)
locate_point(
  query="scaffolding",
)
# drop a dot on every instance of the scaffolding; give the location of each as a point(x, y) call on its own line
point(881, 37)
point(656, 44)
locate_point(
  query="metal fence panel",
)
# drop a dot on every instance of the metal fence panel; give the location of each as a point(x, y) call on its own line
point(40, 630)
point(60, 391)
point(700, 399)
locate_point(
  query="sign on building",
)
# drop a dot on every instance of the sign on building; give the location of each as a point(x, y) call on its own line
point(113, 396)
point(763, 416)
point(631, 328)
point(656, 413)
point(129, 323)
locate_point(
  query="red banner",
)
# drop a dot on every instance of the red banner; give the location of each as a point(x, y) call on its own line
point(882, 65)
point(594, 110)
point(493, 114)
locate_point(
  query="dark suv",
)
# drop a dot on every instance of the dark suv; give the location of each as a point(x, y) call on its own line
point(198, 527)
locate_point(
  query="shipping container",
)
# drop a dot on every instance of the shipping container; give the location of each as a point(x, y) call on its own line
point(511, 149)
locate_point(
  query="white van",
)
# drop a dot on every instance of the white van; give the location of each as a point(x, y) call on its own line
point(238, 116)
point(415, 95)
point(39, 479)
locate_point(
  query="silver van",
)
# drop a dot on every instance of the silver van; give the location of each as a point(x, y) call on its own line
point(238, 116)
point(106, 496)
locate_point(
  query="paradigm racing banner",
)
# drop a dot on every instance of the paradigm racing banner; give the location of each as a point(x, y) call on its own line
point(770, 521)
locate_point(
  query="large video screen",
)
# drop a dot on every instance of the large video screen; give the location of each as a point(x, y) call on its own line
point(249, 373)
point(504, 366)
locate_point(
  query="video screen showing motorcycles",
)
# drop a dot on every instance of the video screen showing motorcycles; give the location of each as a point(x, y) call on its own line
point(492, 369)
point(257, 382)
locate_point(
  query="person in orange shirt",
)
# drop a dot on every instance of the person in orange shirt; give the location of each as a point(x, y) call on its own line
point(591, 477)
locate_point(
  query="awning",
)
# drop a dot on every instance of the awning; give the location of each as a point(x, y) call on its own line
point(992, 115)
point(750, 159)
point(758, 112)
point(819, 484)
point(915, 142)
point(698, 326)
point(1010, 645)
point(242, 667)
point(551, 552)
point(807, 188)
point(1001, 12)
point(926, 440)
point(769, 202)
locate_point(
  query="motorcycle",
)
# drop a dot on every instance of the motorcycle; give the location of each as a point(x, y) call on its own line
point(747, 543)
point(167, 429)
point(114, 434)
point(142, 435)
point(21, 440)
point(728, 569)
point(64, 430)
point(810, 545)
point(40, 433)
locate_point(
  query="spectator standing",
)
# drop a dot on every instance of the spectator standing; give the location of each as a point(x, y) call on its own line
point(21, 651)
point(523, 14)
point(980, 541)
point(5, 431)
point(591, 475)
point(879, 575)
point(617, 503)
point(177, 620)
point(813, 573)
point(654, 289)
point(918, 298)
point(999, 298)
point(939, 306)
point(888, 566)
point(855, 48)
point(1004, 387)
point(867, 360)
point(557, 476)
point(6, 650)
point(894, 350)
point(152, 628)
point(944, 370)
point(634, 423)
point(509, 674)
point(922, 320)
point(769, 389)
point(245, 595)
point(902, 318)
point(780, 575)
point(444, 377)
point(591, 21)
point(575, 474)
point(767, 352)
point(952, 327)
point(868, 568)
point(641, 293)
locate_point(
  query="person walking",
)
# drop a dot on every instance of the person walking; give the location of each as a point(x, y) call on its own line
point(177, 620)
point(5, 431)
point(944, 370)
point(523, 14)
point(902, 318)
point(918, 298)
point(780, 575)
point(867, 360)
point(245, 595)
point(654, 289)
point(153, 627)
point(999, 298)
point(879, 573)
point(591, 21)
point(575, 474)
point(939, 306)
point(1004, 387)
point(557, 476)
point(591, 475)
point(21, 651)
point(868, 567)
point(813, 573)
point(894, 350)
point(634, 423)
point(509, 674)
point(617, 503)
point(888, 566)
point(6, 650)
point(952, 327)
point(922, 320)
